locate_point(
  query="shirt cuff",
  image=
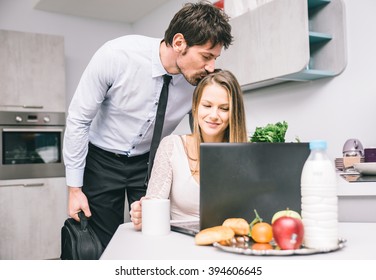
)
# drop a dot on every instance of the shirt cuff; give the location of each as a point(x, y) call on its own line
point(74, 177)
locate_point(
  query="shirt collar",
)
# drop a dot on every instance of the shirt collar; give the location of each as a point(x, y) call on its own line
point(157, 67)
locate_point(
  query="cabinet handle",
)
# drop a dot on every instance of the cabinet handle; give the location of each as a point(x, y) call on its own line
point(33, 106)
point(24, 185)
point(25, 106)
point(34, 185)
point(11, 185)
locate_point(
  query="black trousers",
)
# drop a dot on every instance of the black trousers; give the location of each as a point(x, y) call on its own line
point(107, 179)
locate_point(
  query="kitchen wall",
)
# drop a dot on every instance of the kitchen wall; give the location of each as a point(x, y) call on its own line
point(333, 109)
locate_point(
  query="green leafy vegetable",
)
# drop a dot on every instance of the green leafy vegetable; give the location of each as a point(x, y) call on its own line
point(270, 133)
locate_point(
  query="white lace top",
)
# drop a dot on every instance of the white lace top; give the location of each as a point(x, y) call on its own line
point(171, 178)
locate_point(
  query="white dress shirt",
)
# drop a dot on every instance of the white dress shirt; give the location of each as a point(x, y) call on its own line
point(115, 103)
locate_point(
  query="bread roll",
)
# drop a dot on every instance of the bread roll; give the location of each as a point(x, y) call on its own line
point(238, 225)
point(214, 234)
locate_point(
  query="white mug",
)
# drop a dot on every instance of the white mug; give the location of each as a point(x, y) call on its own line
point(156, 216)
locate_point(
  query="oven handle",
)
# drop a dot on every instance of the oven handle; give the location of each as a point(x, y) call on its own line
point(43, 129)
point(24, 106)
point(24, 185)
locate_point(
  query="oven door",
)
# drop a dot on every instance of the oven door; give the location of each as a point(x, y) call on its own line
point(31, 152)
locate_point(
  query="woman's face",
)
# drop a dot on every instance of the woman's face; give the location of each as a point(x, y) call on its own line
point(213, 113)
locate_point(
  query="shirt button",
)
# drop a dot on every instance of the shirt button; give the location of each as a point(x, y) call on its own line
point(148, 120)
point(156, 103)
point(140, 135)
point(133, 147)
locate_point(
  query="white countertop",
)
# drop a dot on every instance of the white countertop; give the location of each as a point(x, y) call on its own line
point(355, 188)
point(133, 245)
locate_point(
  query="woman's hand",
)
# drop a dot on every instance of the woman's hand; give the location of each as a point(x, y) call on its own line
point(136, 214)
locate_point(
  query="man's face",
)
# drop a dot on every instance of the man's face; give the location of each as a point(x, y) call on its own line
point(197, 61)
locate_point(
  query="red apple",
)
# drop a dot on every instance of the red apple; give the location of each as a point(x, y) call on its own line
point(288, 232)
point(287, 212)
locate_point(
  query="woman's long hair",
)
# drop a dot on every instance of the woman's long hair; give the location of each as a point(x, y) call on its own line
point(236, 132)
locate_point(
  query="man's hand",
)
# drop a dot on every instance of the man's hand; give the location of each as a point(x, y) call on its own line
point(77, 202)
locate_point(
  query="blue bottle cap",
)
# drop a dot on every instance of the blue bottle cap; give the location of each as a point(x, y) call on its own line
point(317, 144)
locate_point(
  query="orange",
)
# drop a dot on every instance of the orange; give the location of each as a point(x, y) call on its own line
point(261, 246)
point(262, 232)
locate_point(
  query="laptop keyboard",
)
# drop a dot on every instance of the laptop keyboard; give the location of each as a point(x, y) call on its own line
point(192, 225)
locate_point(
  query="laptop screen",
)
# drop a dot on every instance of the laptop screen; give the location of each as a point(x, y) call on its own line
point(236, 178)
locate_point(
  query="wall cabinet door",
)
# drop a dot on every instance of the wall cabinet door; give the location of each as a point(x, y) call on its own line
point(32, 213)
point(287, 40)
point(32, 72)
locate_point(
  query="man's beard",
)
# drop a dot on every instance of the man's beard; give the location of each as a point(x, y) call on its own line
point(194, 80)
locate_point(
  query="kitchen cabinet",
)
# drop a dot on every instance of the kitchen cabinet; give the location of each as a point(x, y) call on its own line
point(356, 201)
point(32, 213)
point(287, 40)
point(32, 72)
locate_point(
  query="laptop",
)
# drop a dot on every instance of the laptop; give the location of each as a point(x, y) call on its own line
point(236, 178)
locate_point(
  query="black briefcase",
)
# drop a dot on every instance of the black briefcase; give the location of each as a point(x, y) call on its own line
point(79, 241)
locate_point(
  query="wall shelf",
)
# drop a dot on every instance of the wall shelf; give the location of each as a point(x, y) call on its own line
point(316, 37)
point(317, 3)
point(307, 75)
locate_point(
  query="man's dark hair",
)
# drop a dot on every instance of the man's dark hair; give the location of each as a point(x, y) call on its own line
point(199, 23)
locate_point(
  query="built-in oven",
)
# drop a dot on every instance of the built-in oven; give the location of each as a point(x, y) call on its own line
point(31, 145)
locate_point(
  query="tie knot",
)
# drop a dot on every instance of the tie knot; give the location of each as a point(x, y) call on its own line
point(166, 79)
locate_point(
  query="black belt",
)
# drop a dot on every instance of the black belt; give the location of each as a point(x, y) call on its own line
point(91, 146)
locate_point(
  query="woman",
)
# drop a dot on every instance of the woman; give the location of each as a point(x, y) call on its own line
point(218, 116)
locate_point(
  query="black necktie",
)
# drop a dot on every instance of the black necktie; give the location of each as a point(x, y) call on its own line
point(162, 103)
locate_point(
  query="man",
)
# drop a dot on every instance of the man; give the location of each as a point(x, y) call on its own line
point(112, 113)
